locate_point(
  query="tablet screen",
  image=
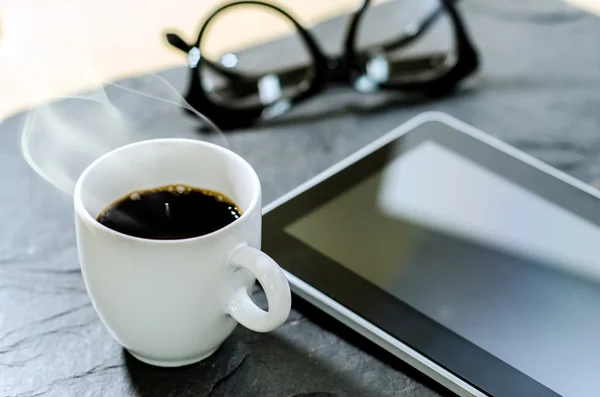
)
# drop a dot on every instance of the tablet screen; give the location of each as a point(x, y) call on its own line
point(506, 269)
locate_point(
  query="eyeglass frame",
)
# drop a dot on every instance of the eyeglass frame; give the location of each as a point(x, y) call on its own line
point(344, 68)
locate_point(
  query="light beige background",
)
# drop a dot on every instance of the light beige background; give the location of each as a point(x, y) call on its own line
point(54, 48)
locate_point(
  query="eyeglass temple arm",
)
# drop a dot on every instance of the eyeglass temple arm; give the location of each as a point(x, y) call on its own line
point(249, 85)
point(177, 42)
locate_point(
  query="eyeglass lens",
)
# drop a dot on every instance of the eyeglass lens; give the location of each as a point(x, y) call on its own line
point(254, 79)
point(405, 41)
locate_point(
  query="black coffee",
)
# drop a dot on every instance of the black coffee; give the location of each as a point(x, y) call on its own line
point(170, 213)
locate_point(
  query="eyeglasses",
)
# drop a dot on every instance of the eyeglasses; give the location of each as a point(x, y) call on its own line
point(234, 97)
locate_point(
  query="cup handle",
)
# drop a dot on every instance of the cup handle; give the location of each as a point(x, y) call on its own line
point(274, 283)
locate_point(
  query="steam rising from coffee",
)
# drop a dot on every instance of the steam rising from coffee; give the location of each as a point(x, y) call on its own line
point(59, 147)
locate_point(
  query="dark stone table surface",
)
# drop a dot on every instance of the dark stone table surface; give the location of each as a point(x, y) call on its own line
point(539, 90)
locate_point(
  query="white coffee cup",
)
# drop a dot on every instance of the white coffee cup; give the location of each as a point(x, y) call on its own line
point(173, 302)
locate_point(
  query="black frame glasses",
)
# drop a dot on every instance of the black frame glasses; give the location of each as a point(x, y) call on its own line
point(348, 68)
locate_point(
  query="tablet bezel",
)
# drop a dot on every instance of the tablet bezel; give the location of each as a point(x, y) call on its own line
point(447, 357)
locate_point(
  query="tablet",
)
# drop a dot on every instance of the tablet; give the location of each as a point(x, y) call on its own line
point(468, 259)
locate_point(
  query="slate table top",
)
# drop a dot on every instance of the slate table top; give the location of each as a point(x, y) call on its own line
point(539, 90)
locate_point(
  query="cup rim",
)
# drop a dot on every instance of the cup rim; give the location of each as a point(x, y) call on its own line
point(82, 211)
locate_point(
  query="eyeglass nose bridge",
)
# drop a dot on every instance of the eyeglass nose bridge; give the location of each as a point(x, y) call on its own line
point(337, 70)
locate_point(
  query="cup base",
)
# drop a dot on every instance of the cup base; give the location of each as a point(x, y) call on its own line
point(172, 363)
